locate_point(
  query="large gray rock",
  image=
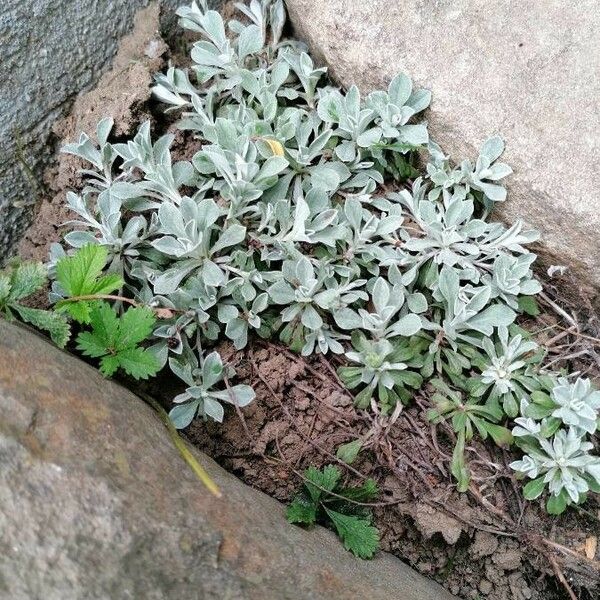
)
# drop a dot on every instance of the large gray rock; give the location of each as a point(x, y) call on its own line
point(95, 503)
point(51, 50)
point(529, 71)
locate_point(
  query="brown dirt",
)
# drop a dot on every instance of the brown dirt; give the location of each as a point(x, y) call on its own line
point(487, 543)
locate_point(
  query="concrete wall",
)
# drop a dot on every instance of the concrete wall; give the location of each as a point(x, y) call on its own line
point(51, 50)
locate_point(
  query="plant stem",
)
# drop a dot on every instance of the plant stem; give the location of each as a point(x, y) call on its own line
point(161, 312)
point(181, 446)
point(101, 297)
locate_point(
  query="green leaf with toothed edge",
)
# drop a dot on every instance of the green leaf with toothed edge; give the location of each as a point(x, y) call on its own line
point(53, 323)
point(357, 534)
point(302, 510)
point(81, 275)
point(114, 340)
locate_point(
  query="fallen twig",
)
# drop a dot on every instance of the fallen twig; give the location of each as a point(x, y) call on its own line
point(561, 311)
point(561, 576)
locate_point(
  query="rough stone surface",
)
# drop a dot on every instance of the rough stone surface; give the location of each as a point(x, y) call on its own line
point(528, 71)
point(51, 50)
point(95, 503)
point(122, 93)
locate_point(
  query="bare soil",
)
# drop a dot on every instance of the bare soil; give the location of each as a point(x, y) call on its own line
point(486, 543)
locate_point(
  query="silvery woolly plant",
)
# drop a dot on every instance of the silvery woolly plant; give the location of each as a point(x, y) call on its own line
point(320, 216)
point(201, 397)
point(555, 432)
point(385, 368)
point(508, 371)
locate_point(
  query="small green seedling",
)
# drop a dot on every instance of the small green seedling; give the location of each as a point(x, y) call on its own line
point(324, 500)
point(115, 340)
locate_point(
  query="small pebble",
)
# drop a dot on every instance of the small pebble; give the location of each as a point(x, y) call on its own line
point(485, 586)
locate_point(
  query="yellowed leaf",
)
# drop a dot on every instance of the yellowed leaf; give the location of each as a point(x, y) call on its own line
point(591, 545)
point(276, 147)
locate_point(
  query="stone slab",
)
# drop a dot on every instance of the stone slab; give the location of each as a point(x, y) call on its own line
point(529, 71)
point(95, 503)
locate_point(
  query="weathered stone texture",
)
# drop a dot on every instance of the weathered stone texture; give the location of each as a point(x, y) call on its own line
point(51, 50)
point(95, 503)
point(529, 71)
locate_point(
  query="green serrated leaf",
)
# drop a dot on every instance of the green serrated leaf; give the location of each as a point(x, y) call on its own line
point(78, 311)
point(328, 503)
point(109, 365)
point(302, 510)
point(26, 279)
point(114, 340)
point(325, 479)
point(54, 323)
point(80, 274)
point(363, 493)
point(138, 362)
point(357, 534)
point(135, 326)
point(107, 284)
point(90, 344)
point(105, 325)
